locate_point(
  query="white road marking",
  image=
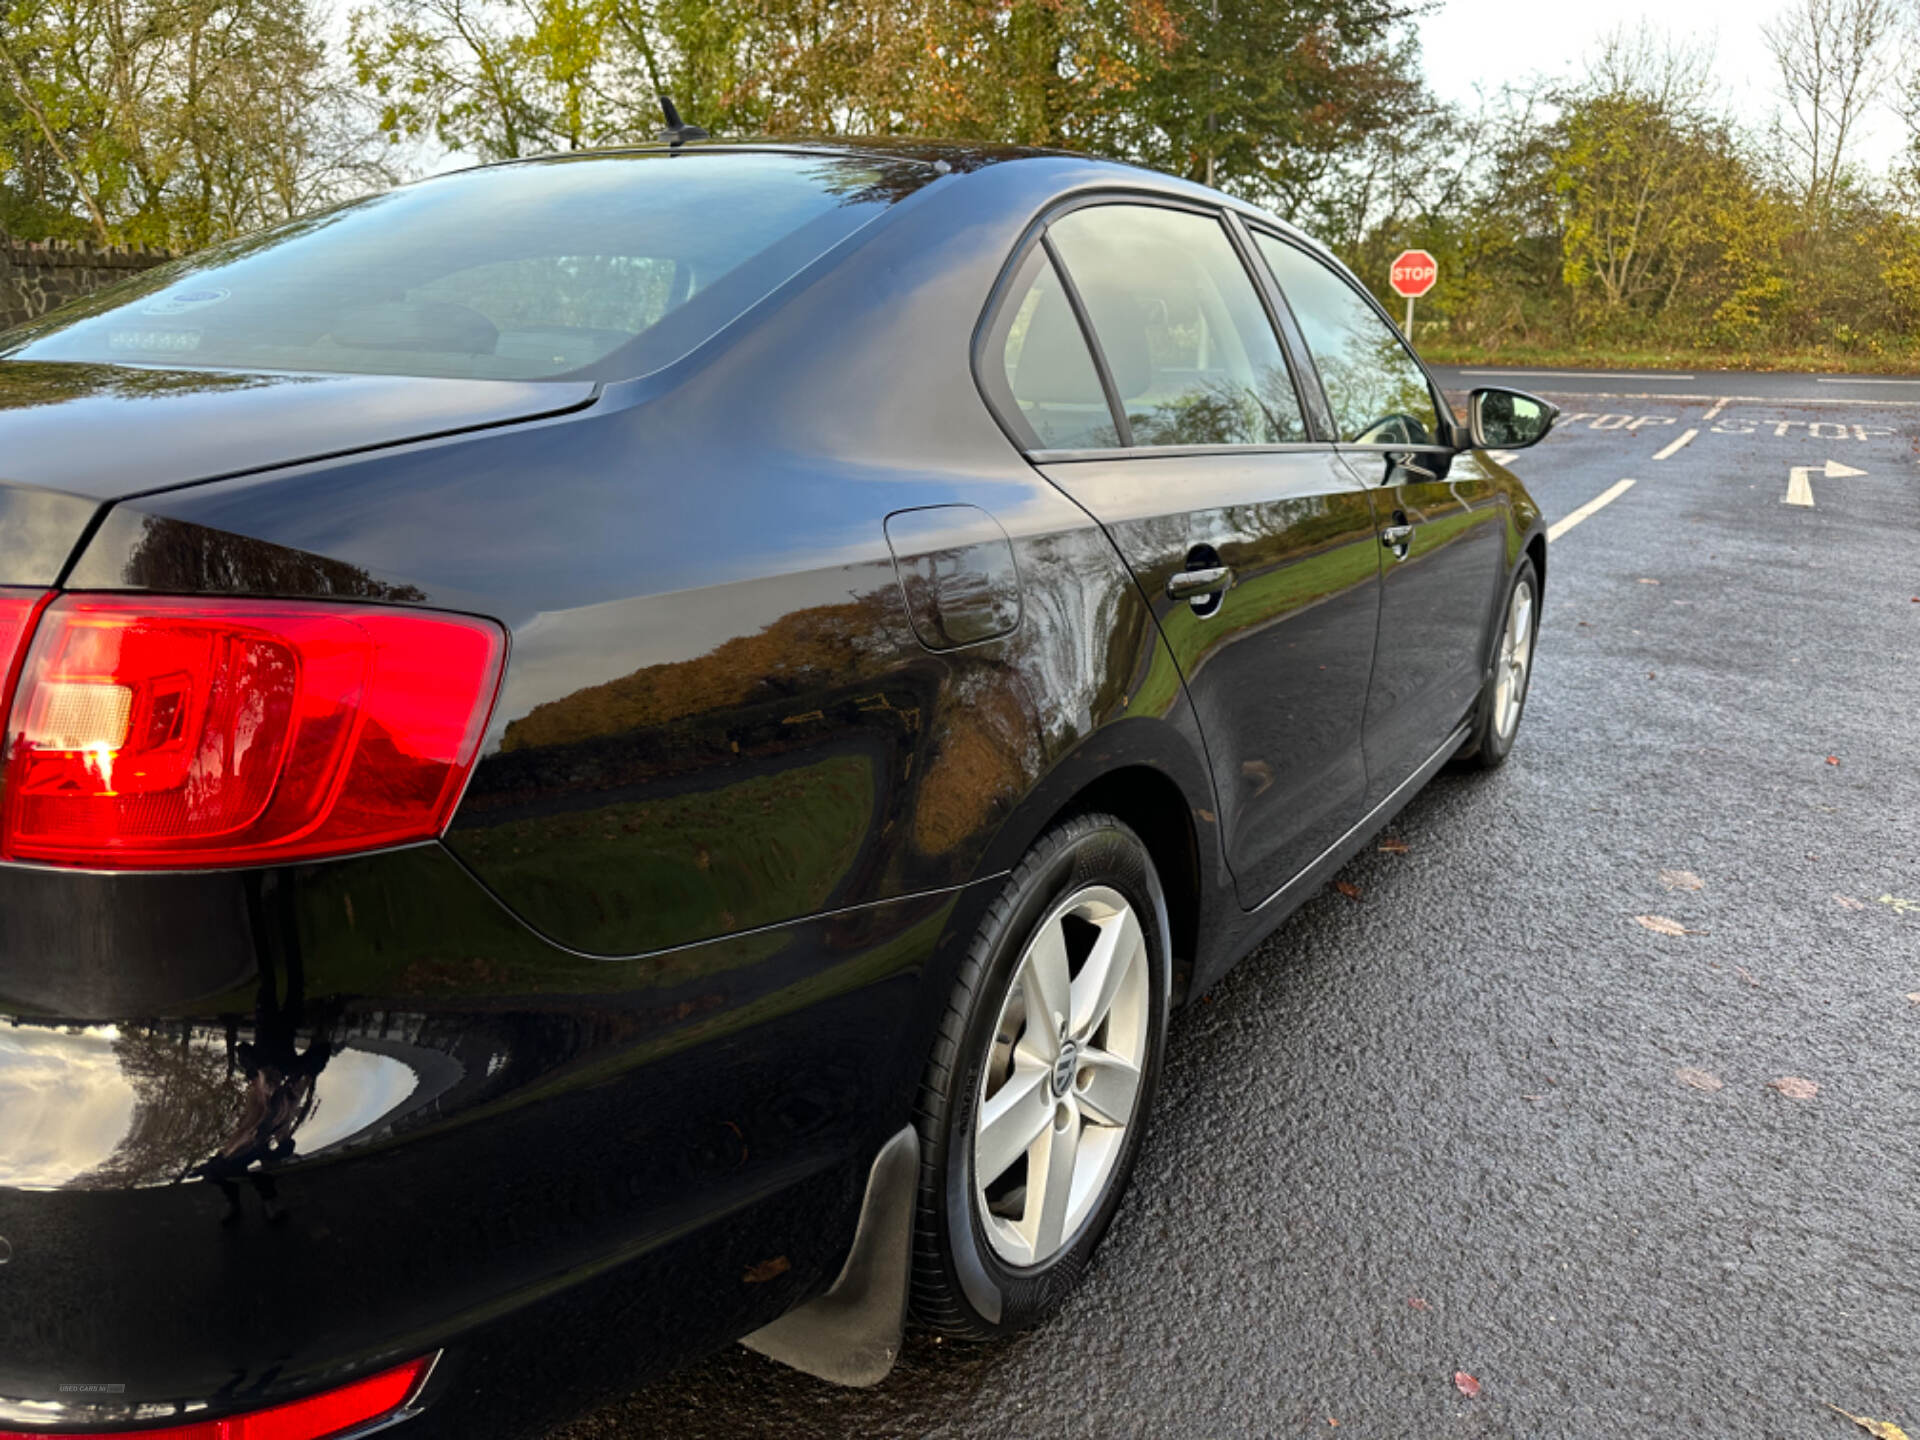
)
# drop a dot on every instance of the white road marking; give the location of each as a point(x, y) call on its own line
point(1503, 457)
point(1861, 380)
point(1677, 446)
point(1580, 374)
point(1816, 429)
point(1603, 499)
point(1718, 406)
point(1800, 482)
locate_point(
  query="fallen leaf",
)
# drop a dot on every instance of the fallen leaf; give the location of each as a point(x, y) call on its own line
point(1746, 975)
point(1850, 902)
point(1661, 925)
point(1681, 880)
point(1645, 581)
point(1348, 889)
point(1794, 1088)
point(1699, 1079)
point(1417, 1303)
point(767, 1270)
point(1914, 996)
point(1833, 759)
point(1466, 1384)
point(1879, 1429)
point(1393, 846)
point(1900, 906)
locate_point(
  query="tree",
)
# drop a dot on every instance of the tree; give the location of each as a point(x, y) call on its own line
point(170, 122)
point(1833, 63)
point(1282, 102)
point(1644, 176)
point(501, 78)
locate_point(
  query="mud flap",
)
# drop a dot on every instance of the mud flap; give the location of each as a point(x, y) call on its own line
point(851, 1335)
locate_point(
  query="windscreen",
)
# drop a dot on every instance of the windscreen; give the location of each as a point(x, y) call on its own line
point(598, 267)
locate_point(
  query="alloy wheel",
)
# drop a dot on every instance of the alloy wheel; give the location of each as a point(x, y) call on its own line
point(1062, 1076)
point(1514, 661)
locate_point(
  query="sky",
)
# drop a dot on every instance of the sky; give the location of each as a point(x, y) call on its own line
point(1465, 43)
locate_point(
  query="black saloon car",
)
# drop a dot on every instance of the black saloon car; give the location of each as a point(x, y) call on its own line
point(612, 754)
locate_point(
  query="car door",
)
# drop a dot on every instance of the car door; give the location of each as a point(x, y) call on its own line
point(1442, 527)
point(1253, 542)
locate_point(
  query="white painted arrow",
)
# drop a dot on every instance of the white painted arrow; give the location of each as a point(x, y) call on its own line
point(1800, 481)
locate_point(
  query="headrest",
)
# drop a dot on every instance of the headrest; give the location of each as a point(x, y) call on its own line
point(1120, 320)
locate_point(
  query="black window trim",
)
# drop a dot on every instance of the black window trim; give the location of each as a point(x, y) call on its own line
point(1442, 411)
point(1320, 432)
point(1116, 410)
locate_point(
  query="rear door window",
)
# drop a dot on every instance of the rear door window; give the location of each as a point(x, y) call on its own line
point(1378, 391)
point(1191, 349)
point(1049, 374)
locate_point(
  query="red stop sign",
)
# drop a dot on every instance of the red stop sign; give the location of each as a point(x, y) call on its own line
point(1414, 273)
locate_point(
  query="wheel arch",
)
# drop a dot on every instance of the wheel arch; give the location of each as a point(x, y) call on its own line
point(1146, 774)
point(1149, 803)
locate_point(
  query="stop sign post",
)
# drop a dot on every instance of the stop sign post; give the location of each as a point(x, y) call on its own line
point(1414, 273)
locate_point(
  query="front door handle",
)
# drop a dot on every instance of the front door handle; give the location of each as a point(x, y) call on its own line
point(1398, 539)
point(1198, 584)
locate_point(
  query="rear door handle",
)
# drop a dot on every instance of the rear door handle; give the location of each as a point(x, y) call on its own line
point(1195, 584)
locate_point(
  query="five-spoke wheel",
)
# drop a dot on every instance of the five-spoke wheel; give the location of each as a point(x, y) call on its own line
point(1063, 1078)
point(1504, 697)
point(1039, 1086)
point(1515, 658)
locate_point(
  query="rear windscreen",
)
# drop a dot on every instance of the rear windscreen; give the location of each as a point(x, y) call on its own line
point(599, 267)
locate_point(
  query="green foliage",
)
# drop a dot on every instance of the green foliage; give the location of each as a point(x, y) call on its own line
point(167, 122)
point(1273, 100)
point(1626, 215)
point(500, 78)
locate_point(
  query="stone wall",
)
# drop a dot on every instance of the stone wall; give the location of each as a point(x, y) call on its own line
point(37, 277)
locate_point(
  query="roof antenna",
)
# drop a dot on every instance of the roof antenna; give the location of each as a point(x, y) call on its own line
point(677, 131)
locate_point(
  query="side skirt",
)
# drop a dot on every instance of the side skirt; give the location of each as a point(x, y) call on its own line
point(851, 1335)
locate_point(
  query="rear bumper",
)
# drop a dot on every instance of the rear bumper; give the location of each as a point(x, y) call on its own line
point(267, 1130)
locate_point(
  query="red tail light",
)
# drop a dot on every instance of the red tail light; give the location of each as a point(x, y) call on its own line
point(154, 732)
point(319, 1417)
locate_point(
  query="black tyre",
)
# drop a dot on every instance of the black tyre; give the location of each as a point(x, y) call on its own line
point(1036, 1095)
point(1503, 699)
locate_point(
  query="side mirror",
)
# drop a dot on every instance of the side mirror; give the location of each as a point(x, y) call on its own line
point(1508, 419)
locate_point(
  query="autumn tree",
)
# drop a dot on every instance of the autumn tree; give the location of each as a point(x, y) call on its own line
point(1279, 102)
point(169, 122)
point(499, 78)
point(1645, 178)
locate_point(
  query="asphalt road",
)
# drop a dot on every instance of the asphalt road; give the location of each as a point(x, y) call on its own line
point(1448, 1126)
